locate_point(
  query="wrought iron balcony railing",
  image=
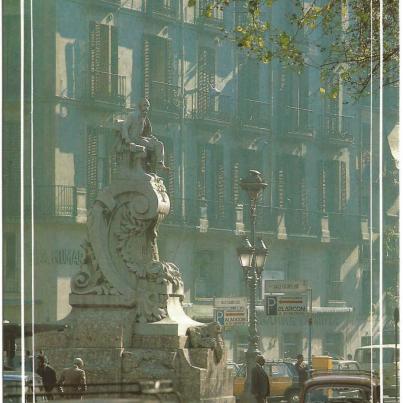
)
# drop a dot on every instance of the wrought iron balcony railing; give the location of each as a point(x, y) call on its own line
point(335, 291)
point(215, 108)
point(216, 16)
point(104, 87)
point(302, 222)
point(49, 201)
point(337, 127)
point(165, 8)
point(255, 113)
point(165, 97)
point(344, 226)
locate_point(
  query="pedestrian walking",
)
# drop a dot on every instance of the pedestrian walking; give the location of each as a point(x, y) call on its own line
point(48, 375)
point(260, 381)
point(302, 372)
point(72, 382)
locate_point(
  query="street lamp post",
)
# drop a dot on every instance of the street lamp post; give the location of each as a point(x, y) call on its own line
point(252, 257)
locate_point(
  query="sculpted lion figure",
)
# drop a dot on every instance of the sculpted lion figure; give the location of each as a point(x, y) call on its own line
point(207, 336)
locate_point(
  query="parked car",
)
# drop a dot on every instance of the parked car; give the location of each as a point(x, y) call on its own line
point(345, 365)
point(364, 356)
point(360, 387)
point(283, 379)
point(13, 383)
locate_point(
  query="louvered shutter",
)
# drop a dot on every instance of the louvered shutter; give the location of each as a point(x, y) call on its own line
point(343, 185)
point(235, 181)
point(280, 182)
point(219, 181)
point(205, 77)
point(95, 56)
point(322, 187)
point(115, 92)
point(201, 174)
point(170, 95)
point(92, 166)
point(303, 196)
point(147, 66)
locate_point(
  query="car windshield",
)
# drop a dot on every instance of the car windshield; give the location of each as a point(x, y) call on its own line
point(338, 394)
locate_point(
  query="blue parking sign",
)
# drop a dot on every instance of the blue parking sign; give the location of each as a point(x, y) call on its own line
point(271, 305)
point(219, 316)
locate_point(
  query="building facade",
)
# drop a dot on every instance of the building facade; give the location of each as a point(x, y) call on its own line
point(219, 113)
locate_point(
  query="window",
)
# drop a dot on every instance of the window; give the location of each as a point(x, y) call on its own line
point(294, 96)
point(292, 345)
point(10, 267)
point(208, 282)
point(333, 344)
point(333, 185)
point(292, 193)
point(101, 161)
point(104, 80)
point(210, 180)
point(158, 73)
point(205, 79)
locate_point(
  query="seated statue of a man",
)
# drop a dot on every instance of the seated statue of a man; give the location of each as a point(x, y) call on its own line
point(137, 131)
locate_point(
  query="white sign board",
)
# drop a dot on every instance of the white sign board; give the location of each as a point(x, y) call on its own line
point(231, 303)
point(284, 305)
point(285, 286)
point(229, 318)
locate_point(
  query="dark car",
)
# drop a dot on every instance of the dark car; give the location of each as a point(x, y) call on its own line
point(358, 387)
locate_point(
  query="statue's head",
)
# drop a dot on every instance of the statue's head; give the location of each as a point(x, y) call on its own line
point(144, 106)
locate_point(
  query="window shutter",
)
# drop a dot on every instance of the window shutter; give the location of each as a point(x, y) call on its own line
point(114, 62)
point(201, 175)
point(147, 66)
point(280, 182)
point(92, 166)
point(322, 187)
point(170, 62)
point(235, 181)
point(343, 185)
point(219, 182)
point(205, 77)
point(95, 55)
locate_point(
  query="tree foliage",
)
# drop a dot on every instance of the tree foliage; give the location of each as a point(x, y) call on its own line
point(339, 37)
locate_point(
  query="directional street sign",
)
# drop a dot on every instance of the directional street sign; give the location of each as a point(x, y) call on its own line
point(283, 305)
point(231, 303)
point(231, 311)
point(285, 286)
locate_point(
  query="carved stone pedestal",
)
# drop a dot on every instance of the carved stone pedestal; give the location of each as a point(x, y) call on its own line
point(127, 321)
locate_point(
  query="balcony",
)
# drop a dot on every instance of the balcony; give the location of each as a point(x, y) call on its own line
point(297, 121)
point(266, 218)
point(165, 97)
point(214, 19)
point(49, 201)
point(337, 128)
point(335, 293)
point(216, 108)
point(255, 113)
point(345, 226)
point(163, 8)
point(300, 222)
point(104, 88)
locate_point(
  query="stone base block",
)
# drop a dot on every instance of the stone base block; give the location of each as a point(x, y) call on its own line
point(113, 353)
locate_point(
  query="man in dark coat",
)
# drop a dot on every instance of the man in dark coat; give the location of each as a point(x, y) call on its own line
point(260, 381)
point(302, 372)
point(48, 375)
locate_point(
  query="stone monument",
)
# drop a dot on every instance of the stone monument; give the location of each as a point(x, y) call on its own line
point(127, 322)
